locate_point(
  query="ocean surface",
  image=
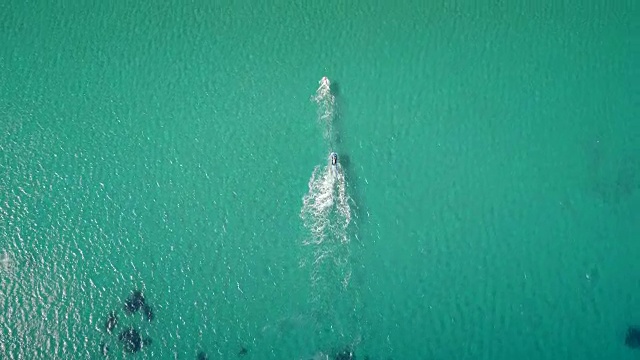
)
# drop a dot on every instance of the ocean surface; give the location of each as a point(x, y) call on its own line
point(486, 204)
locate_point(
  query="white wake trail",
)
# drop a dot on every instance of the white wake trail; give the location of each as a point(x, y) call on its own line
point(326, 107)
point(326, 208)
point(326, 215)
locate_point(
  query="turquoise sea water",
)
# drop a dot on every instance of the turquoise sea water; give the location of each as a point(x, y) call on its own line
point(487, 206)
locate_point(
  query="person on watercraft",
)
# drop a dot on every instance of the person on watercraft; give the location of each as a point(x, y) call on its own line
point(334, 159)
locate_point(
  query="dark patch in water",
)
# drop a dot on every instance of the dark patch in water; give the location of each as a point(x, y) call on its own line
point(132, 340)
point(148, 312)
point(345, 161)
point(134, 302)
point(202, 356)
point(345, 355)
point(632, 339)
point(335, 88)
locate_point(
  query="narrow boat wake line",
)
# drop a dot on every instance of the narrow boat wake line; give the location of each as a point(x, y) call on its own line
point(326, 107)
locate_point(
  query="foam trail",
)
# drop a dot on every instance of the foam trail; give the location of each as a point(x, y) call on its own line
point(327, 218)
point(326, 215)
point(326, 210)
point(326, 107)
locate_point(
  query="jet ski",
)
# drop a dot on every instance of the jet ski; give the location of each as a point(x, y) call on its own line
point(334, 163)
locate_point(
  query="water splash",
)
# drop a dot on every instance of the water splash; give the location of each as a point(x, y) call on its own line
point(326, 212)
